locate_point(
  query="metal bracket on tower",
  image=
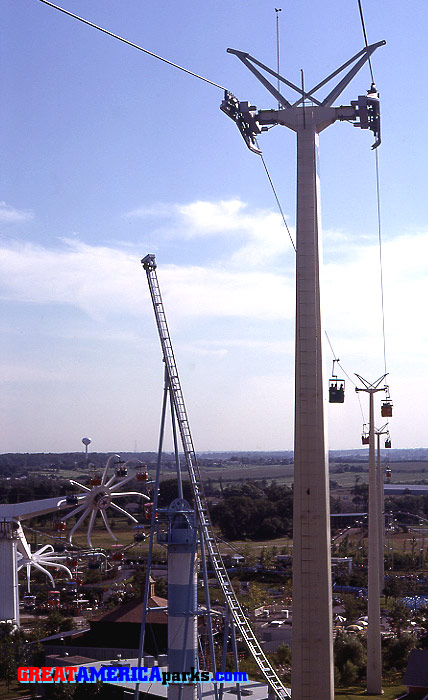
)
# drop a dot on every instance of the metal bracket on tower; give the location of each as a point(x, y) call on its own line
point(367, 113)
point(244, 117)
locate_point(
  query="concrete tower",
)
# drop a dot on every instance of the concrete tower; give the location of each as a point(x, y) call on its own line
point(312, 658)
point(182, 600)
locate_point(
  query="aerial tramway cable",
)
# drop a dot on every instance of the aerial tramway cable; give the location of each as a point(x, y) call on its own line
point(130, 43)
point(379, 220)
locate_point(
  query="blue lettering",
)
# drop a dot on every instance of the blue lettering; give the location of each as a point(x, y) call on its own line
point(155, 675)
point(111, 673)
point(83, 675)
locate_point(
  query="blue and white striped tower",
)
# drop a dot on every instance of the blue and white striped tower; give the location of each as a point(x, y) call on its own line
point(182, 599)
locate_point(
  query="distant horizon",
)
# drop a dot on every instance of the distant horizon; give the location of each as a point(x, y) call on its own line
point(82, 453)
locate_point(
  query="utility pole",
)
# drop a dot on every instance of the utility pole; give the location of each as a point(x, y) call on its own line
point(374, 654)
point(312, 660)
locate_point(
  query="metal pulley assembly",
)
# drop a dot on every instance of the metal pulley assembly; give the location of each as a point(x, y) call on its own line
point(244, 117)
point(367, 113)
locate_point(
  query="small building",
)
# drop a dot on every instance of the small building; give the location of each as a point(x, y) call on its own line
point(117, 631)
point(274, 633)
point(416, 676)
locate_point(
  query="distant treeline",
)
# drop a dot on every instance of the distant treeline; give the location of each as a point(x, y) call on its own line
point(254, 511)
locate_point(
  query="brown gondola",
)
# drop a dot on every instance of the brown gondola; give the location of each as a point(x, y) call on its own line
point(142, 473)
point(59, 525)
point(365, 437)
point(148, 510)
point(386, 409)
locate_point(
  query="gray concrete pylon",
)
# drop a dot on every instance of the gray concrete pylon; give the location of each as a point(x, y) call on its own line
point(312, 652)
point(374, 651)
point(312, 665)
point(374, 657)
point(381, 506)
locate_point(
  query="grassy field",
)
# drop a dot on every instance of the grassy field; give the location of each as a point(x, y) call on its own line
point(390, 693)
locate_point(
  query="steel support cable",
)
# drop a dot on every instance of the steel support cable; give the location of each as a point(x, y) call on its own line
point(363, 26)
point(379, 226)
point(130, 43)
point(277, 199)
point(379, 221)
point(346, 375)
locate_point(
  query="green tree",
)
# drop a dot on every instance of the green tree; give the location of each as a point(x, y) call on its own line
point(55, 622)
point(396, 651)
point(354, 607)
point(394, 588)
point(14, 652)
point(348, 648)
point(349, 673)
point(398, 616)
point(283, 655)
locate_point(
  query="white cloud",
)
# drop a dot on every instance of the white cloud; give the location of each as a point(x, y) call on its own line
point(260, 235)
point(9, 215)
point(267, 237)
point(103, 281)
point(107, 282)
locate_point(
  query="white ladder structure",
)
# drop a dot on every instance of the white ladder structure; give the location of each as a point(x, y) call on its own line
point(269, 673)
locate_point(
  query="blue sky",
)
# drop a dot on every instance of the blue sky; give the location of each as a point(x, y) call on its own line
point(109, 154)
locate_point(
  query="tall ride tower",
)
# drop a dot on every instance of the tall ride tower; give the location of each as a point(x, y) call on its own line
point(312, 657)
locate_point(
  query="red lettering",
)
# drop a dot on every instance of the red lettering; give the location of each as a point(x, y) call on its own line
point(59, 675)
point(22, 674)
point(71, 673)
point(46, 674)
point(33, 674)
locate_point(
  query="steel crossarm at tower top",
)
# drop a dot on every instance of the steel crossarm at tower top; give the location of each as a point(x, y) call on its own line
point(312, 657)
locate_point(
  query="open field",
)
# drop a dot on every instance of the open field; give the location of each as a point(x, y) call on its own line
point(390, 692)
point(344, 473)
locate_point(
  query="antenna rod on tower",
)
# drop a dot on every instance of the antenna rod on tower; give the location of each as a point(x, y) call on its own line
point(277, 10)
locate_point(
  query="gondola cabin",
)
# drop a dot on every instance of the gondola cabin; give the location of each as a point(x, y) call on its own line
point(365, 439)
point(94, 564)
point(71, 589)
point(148, 510)
point(387, 443)
point(72, 500)
point(142, 474)
point(121, 471)
point(386, 409)
point(388, 472)
point(139, 535)
point(117, 556)
point(59, 525)
point(336, 390)
point(54, 598)
point(29, 602)
point(72, 561)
